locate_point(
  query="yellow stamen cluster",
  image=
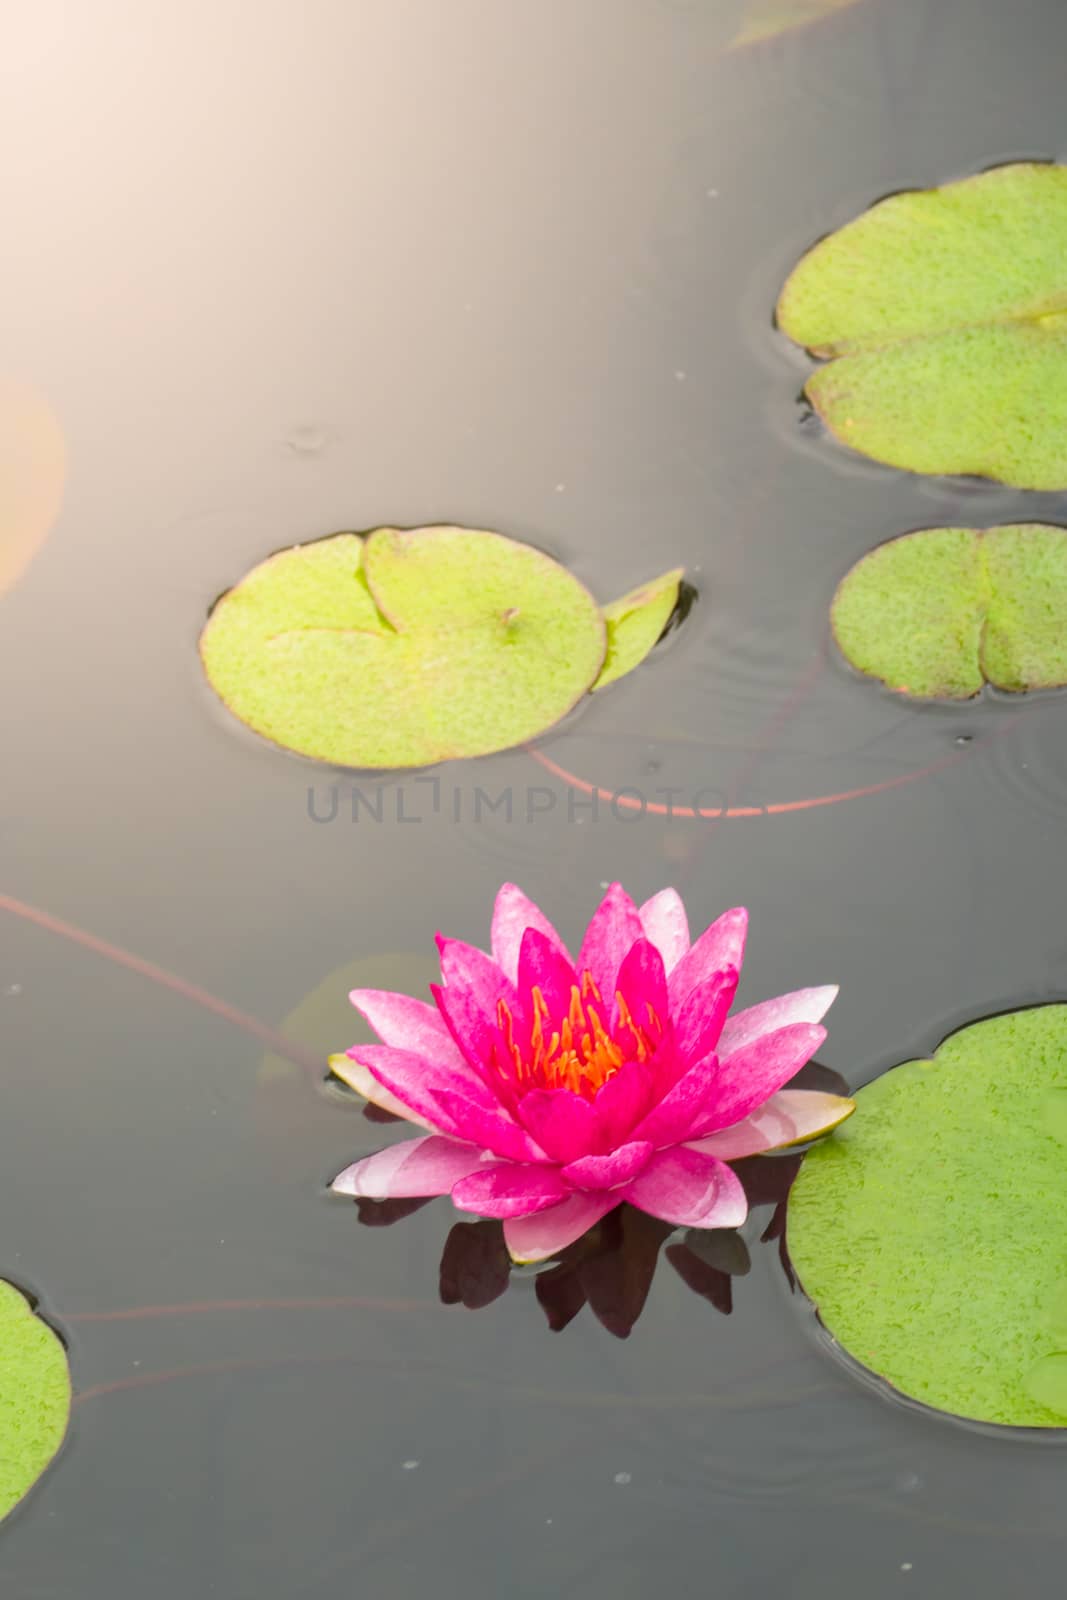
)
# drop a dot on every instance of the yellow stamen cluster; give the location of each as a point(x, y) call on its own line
point(580, 1054)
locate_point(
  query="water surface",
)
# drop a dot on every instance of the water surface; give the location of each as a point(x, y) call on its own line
point(285, 269)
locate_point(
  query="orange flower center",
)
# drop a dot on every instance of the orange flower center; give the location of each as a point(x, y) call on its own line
point(579, 1054)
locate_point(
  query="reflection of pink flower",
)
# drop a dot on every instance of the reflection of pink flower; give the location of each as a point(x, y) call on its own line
point(552, 1090)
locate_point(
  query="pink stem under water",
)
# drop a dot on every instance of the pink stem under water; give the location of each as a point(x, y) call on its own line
point(629, 802)
point(277, 1042)
point(195, 1308)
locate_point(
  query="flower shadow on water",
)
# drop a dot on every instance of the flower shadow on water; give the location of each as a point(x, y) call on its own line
point(611, 1267)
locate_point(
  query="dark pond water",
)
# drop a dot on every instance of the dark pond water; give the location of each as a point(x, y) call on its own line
point(283, 269)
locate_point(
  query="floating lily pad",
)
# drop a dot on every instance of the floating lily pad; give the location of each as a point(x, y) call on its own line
point(32, 471)
point(765, 19)
point(287, 1115)
point(34, 1396)
point(324, 1021)
point(931, 1229)
point(406, 647)
point(635, 622)
point(944, 317)
point(936, 614)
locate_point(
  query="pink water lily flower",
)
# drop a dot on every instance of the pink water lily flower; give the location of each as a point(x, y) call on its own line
point(552, 1089)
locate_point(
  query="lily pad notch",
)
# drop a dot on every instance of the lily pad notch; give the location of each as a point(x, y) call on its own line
point(35, 1396)
point(941, 317)
point(939, 613)
point(404, 647)
point(929, 1230)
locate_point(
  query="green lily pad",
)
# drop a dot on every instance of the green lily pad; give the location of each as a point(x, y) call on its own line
point(931, 1229)
point(765, 19)
point(944, 317)
point(325, 1020)
point(635, 622)
point(938, 613)
point(405, 647)
point(286, 1117)
point(34, 1396)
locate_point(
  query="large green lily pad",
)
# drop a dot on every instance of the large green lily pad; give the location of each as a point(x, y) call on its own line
point(34, 1396)
point(405, 647)
point(936, 614)
point(931, 1229)
point(944, 317)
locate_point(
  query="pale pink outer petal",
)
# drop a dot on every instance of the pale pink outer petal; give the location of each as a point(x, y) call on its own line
point(719, 946)
point(791, 1116)
point(665, 923)
point(418, 1082)
point(803, 1005)
point(689, 1188)
point(510, 1190)
point(750, 1076)
point(513, 913)
point(609, 1172)
point(416, 1029)
point(406, 1023)
point(548, 1232)
point(416, 1167)
point(614, 927)
point(363, 1081)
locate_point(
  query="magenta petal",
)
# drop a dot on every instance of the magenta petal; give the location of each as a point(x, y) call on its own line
point(535, 1238)
point(803, 1005)
point(417, 1081)
point(703, 1012)
point(720, 946)
point(461, 1107)
point(510, 1190)
point(416, 1167)
point(664, 921)
point(363, 1081)
point(542, 966)
point(614, 927)
point(620, 1105)
point(690, 1189)
point(474, 1034)
point(642, 983)
point(684, 1108)
point(491, 1130)
point(788, 1117)
point(472, 986)
point(513, 913)
point(751, 1075)
point(608, 1172)
point(563, 1124)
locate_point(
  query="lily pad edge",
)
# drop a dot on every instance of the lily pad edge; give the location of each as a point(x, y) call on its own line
point(1050, 1435)
point(684, 596)
point(34, 1309)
